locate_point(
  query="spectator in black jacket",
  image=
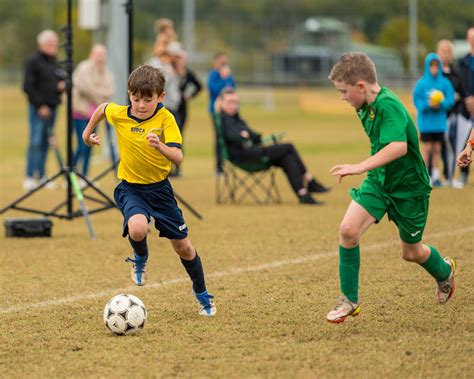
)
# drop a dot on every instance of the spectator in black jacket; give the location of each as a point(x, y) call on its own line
point(43, 83)
point(189, 86)
point(244, 145)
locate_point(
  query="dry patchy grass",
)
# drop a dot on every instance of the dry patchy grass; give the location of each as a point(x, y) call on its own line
point(273, 271)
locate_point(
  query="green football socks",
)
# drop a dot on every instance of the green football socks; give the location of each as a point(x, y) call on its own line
point(349, 264)
point(436, 265)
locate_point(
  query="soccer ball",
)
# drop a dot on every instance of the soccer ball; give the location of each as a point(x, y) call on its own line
point(436, 97)
point(125, 314)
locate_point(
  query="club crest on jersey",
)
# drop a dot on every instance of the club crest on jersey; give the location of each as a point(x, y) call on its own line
point(157, 131)
point(137, 129)
point(371, 113)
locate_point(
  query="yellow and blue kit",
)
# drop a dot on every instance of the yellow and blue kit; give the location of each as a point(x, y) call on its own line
point(143, 170)
point(140, 163)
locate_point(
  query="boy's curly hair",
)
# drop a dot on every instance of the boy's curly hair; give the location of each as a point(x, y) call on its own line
point(145, 81)
point(352, 67)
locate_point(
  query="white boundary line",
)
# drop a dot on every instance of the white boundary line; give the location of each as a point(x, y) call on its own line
point(217, 274)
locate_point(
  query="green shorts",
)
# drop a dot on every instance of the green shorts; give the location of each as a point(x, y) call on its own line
point(409, 214)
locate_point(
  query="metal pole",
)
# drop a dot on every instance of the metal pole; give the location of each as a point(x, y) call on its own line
point(68, 48)
point(413, 8)
point(189, 15)
point(117, 38)
point(129, 9)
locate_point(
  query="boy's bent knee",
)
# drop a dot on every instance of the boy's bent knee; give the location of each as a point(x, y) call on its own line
point(138, 227)
point(137, 234)
point(348, 235)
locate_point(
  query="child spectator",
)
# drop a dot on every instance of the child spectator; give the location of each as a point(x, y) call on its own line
point(433, 97)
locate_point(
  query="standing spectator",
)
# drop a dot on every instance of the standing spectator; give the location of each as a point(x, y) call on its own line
point(165, 62)
point(92, 85)
point(433, 97)
point(43, 83)
point(219, 78)
point(189, 86)
point(466, 74)
point(165, 33)
point(444, 49)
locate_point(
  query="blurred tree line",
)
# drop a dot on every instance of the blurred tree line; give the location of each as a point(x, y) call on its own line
point(249, 27)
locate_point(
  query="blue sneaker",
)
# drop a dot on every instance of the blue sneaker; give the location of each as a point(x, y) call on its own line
point(206, 304)
point(138, 270)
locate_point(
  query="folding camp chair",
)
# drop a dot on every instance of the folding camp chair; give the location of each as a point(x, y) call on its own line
point(240, 181)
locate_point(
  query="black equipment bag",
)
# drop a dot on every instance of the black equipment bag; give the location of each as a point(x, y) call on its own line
point(28, 227)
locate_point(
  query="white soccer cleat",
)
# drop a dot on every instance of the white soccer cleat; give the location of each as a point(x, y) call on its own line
point(343, 308)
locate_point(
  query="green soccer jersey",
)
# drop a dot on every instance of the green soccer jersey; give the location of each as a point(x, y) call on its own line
point(386, 120)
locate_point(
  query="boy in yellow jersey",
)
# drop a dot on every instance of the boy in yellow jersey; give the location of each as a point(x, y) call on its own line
point(149, 141)
point(397, 183)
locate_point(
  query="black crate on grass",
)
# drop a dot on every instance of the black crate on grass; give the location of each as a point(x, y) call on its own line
point(28, 227)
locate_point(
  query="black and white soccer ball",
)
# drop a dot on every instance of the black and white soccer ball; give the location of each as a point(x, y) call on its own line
point(125, 314)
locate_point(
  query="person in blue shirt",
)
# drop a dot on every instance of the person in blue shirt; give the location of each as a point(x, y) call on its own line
point(220, 77)
point(433, 97)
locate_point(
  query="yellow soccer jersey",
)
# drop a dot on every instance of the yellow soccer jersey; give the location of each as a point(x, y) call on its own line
point(139, 162)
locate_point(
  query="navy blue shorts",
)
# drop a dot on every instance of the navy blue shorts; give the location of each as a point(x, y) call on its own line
point(155, 201)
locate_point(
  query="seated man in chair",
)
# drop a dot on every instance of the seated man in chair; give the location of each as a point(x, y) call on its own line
point(244, 146)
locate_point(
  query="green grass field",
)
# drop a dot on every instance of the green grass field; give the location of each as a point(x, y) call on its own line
point(273, 270)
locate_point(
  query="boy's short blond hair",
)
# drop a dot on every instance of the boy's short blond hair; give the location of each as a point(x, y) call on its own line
point(145, 81)
point(353, 67)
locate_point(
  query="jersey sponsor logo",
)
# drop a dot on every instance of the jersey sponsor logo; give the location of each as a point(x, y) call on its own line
point(182, 227)
point(137, 129)
point(416, 233)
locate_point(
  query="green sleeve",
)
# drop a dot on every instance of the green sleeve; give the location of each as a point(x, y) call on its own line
point(394, 124)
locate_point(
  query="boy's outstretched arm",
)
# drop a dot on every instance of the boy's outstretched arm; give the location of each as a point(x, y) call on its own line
point(88, 136)
point(389, 153)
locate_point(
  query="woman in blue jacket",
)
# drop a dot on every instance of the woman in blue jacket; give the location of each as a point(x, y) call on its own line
point(433, 97)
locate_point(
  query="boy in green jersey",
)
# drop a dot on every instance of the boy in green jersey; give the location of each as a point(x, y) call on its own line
point(397, 183)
